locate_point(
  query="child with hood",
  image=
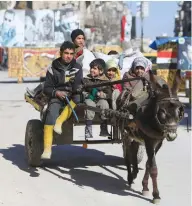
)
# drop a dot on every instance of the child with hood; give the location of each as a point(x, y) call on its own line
point(113, 74)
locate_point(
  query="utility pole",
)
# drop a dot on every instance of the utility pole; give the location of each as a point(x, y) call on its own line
point(142, 18)
point(82, 8)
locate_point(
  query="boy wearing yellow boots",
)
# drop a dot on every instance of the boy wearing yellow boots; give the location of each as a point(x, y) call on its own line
point(64, 75)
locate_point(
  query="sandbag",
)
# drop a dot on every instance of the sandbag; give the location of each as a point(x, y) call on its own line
point(105, 57)
point(124, 60)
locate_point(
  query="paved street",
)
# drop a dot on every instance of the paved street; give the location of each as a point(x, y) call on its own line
point(77, 176)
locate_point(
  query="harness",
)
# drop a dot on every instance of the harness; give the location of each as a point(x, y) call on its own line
point(165, 127)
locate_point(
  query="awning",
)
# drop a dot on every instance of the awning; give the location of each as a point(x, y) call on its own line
point(158, 42)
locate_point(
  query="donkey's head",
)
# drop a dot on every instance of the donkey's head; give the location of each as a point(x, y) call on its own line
point(165, 109)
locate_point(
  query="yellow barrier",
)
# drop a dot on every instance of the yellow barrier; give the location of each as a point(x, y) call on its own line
point(168, 75)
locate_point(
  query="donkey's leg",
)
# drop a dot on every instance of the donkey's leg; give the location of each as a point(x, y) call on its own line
point(153, 174)
point(134, 151)
point(152, 146)
point(145, 191)
point(146, 175)
point(127, 157)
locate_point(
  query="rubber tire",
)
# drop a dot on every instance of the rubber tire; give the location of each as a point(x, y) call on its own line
point(140, 153)
point(34, 142)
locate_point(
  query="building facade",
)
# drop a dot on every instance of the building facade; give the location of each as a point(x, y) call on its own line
point(183, 19)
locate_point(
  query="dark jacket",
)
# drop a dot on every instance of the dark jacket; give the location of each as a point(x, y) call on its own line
point(105, 89)
point(63, 77)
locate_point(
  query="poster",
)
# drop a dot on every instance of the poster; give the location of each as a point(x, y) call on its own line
point(12, 35)
point(66, 21)
point(30, 28)
point(184, 54)
point(39, 28)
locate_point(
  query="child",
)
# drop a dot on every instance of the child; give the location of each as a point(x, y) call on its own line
point(96, 97)
point(135, 88)
point(113, 73)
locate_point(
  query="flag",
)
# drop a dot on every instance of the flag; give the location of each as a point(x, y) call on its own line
point(123, 22)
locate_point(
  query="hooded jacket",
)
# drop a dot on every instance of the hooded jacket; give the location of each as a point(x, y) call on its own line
point(62, 76)
point(112, 64)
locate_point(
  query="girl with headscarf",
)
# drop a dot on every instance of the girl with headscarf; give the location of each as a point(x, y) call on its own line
point(113, 74)
point(138, 69)
point(135, 88)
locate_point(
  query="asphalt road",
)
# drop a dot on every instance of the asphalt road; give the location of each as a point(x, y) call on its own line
point(78, 176)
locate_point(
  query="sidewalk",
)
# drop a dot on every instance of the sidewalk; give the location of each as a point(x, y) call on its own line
point(5, 79)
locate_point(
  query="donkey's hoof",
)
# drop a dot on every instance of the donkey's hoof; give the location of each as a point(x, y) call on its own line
point(145, 193)
point(156, 201)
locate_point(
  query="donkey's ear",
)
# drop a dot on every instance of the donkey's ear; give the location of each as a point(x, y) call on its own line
point(152, 78)
point(176, 82)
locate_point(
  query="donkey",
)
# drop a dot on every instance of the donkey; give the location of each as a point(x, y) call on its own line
point(156, 119)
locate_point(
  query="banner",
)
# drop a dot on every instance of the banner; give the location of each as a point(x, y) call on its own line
point(30, 62)
point(184, 54)
point(167, 55)
point(12, 28)
point(37, 61)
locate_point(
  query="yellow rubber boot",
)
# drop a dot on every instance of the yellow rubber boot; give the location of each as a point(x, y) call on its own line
point(48, 140)
point(66, 113)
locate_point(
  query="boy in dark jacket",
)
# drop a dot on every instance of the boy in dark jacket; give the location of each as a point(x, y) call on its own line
point(63, 75)
point(96, 97)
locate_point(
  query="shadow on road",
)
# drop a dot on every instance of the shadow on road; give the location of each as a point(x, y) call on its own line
point(73, 161)
point(98, 181)
point(16, 154)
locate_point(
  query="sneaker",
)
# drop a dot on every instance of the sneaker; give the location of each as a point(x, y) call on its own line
point(88, 131)
point(104, 130)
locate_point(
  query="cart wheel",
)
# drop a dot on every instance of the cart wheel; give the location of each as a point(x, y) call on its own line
point(34, 142)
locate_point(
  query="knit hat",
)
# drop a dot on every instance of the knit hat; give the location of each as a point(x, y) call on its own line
point(76, 33)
